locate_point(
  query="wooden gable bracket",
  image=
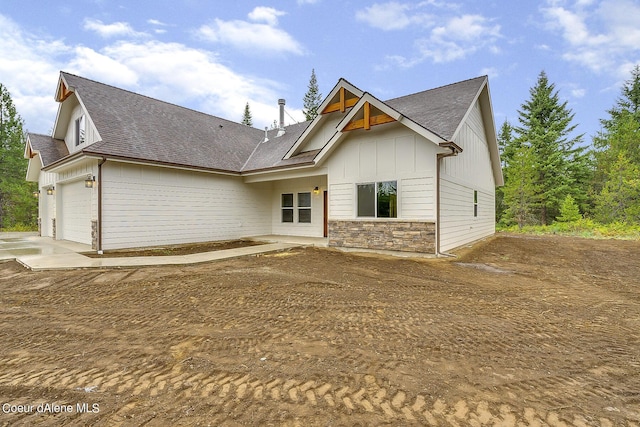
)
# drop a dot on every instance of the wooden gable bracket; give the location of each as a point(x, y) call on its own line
point(342, 104)
point(63, 92)
point(368, 120)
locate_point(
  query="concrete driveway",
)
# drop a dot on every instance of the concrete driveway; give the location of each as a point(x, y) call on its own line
point(44, 253)
point(18, 245)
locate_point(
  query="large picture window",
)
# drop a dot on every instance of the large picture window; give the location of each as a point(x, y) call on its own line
point(378, 200)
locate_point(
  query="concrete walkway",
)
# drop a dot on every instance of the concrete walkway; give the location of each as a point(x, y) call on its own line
point(43, 253)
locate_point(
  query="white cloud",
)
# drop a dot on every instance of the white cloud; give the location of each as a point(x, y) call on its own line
point(598, 36)
point(116, 29)
point(254, 37)
point(451, 35)
point(459, 37)
point(172, 72)
point(268, 15)
point(391, 16)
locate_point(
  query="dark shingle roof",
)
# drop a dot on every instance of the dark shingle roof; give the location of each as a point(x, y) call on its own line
point(269, 154)
point(138, 127)
point(441, 109)
point(51, 150)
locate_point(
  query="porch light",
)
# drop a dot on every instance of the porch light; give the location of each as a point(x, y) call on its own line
point(316, 191)
point(36, 193)
point(90, 182)
point(50, 191)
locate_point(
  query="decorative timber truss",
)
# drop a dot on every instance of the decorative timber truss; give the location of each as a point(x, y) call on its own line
point(368, 115)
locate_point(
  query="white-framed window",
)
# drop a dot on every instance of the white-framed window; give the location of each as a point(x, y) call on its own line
point(80, 130)
point(300, 204)
point(304, 207)
point(378, 199)
point(287, 207)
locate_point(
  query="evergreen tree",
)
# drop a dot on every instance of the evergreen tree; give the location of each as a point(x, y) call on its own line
point(561, 166)
point(247, 119)
point(618, 157)
point(569, 211)
point(17, 204)
point(521, 192)
point(312, 99)
point(507, 145)
point(619, 199)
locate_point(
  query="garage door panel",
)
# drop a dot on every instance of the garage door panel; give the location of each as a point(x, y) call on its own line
point(76, 212)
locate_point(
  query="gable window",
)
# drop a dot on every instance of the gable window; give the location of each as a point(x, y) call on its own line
point(287, 207)
point(304, 207)
point(475, 203)
point(80, 130)
point(378, 199)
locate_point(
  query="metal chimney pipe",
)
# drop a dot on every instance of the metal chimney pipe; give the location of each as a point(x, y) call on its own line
point(281, 103)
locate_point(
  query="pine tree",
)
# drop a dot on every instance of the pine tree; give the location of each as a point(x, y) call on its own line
point(17, 204)
point(569, 211)
point(507, 146)
point(247, 119)
point(618, 157)
point(521, 192)
point(561, 165)
point(312, 99)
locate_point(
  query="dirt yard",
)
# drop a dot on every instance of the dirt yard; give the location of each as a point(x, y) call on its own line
point(517, 331)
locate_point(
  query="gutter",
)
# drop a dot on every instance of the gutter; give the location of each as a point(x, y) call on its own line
point(455, 150)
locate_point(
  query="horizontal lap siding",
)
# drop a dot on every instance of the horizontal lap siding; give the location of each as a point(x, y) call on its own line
point(146, 206)
point(416, 198)
point(341, 201)
point(458, 226)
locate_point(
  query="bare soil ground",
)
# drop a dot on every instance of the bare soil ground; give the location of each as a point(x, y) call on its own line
point(518, 331)
point(175, 249)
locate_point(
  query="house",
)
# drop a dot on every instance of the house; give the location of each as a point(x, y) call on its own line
point(415, 173)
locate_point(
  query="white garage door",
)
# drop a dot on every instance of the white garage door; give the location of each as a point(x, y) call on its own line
point(76, 212)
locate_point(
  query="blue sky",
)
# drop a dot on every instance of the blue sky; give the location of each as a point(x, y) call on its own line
point(214, 56)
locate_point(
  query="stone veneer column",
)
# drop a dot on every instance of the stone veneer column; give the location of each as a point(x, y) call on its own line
point(53, 228)
point(94, 234)
point(393, 235)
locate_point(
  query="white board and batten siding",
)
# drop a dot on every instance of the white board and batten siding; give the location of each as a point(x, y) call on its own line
point(91, 134)
point(392, 153)
point(149, 206)
point(460, 176)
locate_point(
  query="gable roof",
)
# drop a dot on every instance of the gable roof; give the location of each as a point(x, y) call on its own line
point(51, 150)
point(139, 128)
point(134, 126)
point(440, 110)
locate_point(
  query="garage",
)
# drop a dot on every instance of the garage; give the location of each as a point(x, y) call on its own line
point(76, 213)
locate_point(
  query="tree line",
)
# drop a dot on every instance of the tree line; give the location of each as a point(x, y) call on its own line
point(552, 176)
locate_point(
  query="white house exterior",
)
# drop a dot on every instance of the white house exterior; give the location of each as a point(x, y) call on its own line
point(416, 173)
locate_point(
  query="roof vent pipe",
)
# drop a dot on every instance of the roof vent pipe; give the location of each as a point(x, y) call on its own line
point(266, 134)
point(281, 103)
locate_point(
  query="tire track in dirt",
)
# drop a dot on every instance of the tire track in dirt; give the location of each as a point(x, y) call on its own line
point(361, 395)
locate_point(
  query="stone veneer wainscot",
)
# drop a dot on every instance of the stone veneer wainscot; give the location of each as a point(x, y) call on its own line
point(393, 235)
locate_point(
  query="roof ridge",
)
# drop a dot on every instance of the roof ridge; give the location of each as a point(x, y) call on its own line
point(157, 100)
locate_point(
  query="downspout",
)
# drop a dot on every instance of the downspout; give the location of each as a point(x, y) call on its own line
point(104, 159)
point(454, 152)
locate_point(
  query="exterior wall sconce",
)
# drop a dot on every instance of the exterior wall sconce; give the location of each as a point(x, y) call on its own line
point(36, 193)
point(90, 182)
point(50, 191)
point(316, 191)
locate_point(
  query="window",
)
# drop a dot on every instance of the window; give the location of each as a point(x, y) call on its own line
point(304, 207)
point(80, 130)
point(287, 207)
point(379, 200)
point(475, 203)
